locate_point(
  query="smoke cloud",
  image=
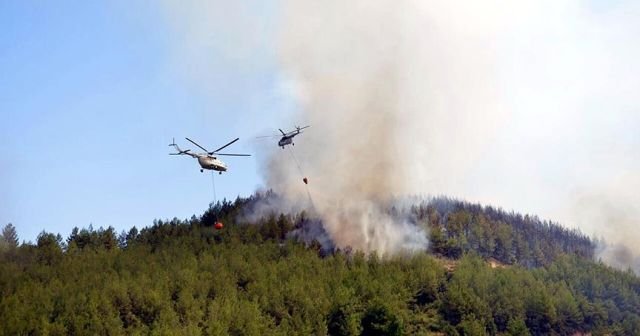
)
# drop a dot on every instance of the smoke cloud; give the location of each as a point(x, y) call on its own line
point(383, 85)
point(528, 105)
point(614, 214)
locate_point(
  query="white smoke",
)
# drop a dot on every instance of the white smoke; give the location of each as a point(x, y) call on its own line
point(614, 214)
point(520, 104)
point(403, 98)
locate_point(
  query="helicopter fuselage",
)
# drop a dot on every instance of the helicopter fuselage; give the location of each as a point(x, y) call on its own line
point(211, 163)
point(287, 139)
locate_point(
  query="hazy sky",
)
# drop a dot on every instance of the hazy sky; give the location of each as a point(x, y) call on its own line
point(90, 96)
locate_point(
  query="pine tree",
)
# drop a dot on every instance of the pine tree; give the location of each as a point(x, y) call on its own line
point(10, 235)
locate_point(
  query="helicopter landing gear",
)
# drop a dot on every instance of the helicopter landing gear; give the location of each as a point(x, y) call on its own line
point(219, 173)
point(202, 170)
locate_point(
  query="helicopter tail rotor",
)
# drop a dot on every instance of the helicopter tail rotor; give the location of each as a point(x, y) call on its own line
point(180, 151)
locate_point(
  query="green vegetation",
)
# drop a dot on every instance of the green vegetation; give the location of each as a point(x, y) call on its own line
point(186, 278)
point(457, 228)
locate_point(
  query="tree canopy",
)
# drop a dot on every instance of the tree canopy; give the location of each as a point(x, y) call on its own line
point(183, 277)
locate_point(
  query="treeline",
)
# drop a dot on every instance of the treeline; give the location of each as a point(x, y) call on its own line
point(183, 277)
point(459, 227)
point(455, 228)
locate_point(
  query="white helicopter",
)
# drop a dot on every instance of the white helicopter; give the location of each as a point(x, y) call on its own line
point(207, 160)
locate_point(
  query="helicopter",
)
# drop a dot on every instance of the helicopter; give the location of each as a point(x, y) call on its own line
point(287, 138)
point(207, 160)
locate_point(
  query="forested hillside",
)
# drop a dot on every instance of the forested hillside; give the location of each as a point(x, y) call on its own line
point(458, 227)
point(183, 277)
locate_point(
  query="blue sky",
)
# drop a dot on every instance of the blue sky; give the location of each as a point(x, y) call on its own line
point(90, 96)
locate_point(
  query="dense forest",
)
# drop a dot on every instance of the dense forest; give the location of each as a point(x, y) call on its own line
point(264, 277)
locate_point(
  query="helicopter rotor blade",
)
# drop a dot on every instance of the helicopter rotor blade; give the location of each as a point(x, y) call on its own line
point(181, 152)
point(233, 154)
point(223, 147)
point(193, 142)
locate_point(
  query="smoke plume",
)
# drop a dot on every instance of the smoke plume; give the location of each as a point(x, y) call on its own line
point(505, 103)
point(613, 213)
point(399, 98)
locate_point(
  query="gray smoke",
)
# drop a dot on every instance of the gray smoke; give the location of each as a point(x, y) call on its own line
point(613, 213)
point(403, 98)
point(504, 103)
